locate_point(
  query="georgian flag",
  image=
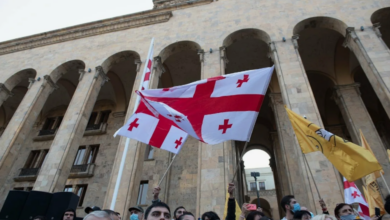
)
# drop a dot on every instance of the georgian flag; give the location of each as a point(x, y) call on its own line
point(216, 109)
point(352, 195)
point(157, 131)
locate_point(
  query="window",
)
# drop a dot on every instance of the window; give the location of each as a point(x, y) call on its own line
point(149, 152)
point(86, 155)
point(262, 185)
point(252, 186)
point(143, 190)
point(51, 125)
point(80, 190)
point(19, 188)
point(36, 159)
point(96, 119)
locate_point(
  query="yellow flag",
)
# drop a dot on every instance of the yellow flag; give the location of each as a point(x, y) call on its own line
point(238, 209)
point(373, 198)
point(366, 146)
point(351, 160)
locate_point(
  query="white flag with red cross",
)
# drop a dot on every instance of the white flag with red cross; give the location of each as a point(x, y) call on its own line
point(157, 131)
point(353, 195)
point(216, 109)
point(148, 69)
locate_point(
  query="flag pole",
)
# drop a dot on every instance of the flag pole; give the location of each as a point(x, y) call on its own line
point(307, 163)
point(126, 149)
point(239, 162)
point(166, 171)
point(385, 182)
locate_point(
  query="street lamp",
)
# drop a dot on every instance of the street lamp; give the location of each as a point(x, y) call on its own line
point(255, 175)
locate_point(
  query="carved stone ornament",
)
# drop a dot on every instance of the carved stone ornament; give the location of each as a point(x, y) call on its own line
point(50, 81)
point(6, 90)
point(138, 62)
point(158, 66)
point(376, 27)
point(295, 41)
point(351, 35)
point(31, 82)
point(222, 51)
point(100, 72)
point(201, 55)
point(81, 72)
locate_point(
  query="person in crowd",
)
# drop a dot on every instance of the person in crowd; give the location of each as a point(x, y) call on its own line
point(112, 214)
point(97, 215)
point(324, 217)
point(231, 211)
point(323, 206)
point(186, 216)
point(178, 212)
point(344, 211)
point(156, 193)
point(387, 204)
point(158, 211)
point(39, 217)
point(302, 215)
point(255, 215)
point(92, 209)
point(136, 212)
point(210, 216)
point(69, 214)
point(119, 215)
point(289, 205)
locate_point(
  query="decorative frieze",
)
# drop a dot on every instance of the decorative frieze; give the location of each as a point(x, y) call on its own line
point(84, 30)
point(169, 4)
point(50, 81)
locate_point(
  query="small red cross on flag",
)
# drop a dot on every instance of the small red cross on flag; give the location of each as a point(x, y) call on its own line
point(216, 109)
point(352, 195)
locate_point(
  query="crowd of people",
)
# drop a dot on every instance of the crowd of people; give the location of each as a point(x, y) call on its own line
point(161, 211)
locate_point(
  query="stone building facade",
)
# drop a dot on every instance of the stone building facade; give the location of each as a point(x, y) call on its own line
point(64, 93)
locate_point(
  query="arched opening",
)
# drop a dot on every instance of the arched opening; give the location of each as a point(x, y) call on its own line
point(258, 161)
point(382, 16)
point(17, 84)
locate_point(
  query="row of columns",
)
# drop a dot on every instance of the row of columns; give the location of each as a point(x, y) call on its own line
point(216, 164)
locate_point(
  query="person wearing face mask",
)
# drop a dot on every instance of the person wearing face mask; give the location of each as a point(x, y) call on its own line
point(136, 213)
point(290, 205)
point(344, 211)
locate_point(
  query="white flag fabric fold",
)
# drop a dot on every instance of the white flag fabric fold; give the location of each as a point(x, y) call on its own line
point(353, 195)
point(216, 109)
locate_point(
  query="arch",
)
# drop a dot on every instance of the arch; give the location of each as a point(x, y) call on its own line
point(249, 33)
point(256, 146)
point(21, 76)
point(70, 66)
point(119, 57)
point(178, 47)
point(119, 90)
point(68, 85)
point(321, 22)
point(264, 205)
point(380, 15)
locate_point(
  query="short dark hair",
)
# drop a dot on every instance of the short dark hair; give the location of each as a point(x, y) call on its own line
point(110, 212)
point(211, 215)
point(40, 217)
point(286, 201)
point(157, 204)
point(387, 204)
point(253, 214)
point(70, 210)
point(184, 214)
point(174, 212)
point(300, 214)
point(338, 207)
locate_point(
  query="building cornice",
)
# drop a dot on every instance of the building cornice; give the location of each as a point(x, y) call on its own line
point(150, 17)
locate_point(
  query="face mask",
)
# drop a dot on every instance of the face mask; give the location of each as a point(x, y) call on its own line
point(134, 217)
point(348, 217)
point(296, 207)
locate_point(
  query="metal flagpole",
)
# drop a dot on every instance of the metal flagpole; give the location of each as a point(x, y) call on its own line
point(166, 171)
point(239, 162)
point(126, 149)
point(319, 196)
point(385, 182)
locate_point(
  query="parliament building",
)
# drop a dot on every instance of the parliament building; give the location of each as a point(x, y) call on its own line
point(64, 93)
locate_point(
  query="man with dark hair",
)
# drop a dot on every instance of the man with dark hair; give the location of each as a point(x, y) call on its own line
point(137, 211)
point(69, 214)
point(178, 212)
point(343, 211)
point(158, 211)
point(288, 203)
point(112, 214)
point(91, 209)
point(210, 216)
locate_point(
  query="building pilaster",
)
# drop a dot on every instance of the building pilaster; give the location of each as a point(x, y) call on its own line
point(356, 117)
point(5, 93)
point(296, 94)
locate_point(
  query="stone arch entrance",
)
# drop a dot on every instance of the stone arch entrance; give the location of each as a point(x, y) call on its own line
point(267, 210)
point(381, 20)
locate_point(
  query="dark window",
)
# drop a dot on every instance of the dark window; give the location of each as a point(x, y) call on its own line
point(49, 123)
point(19, 188)
point(253, 186)
point(92, 118)
point(149, 152)
point(81, 190)
point(80, 156)
point(32, 159)
point(104, 117)
point(143, 190)
point(68, 189)
point(262, 185)
point(93, 154)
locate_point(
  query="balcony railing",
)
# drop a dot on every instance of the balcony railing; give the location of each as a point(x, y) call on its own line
point(46, 132)
point(82, 171)
point(27, 174)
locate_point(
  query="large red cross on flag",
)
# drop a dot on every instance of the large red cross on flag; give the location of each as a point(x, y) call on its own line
point(157, 131)
point(216, 109)
point(352, 195)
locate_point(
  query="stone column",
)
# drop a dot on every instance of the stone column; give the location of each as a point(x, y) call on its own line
point(5, 93)
point(213, 162)
point(356, 117)
point(55, 171)
point(374, 57)
point(21, 124)
point(296, 93)
point(131, 176)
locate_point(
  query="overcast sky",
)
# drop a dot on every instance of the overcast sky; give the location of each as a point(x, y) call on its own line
point(20, 18)
point(256, 159)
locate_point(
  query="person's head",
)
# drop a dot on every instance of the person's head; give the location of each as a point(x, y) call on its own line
point(92, 209)
point(39, 217)
point(186, 216)
point(178, 212)
point(119, 215)
point(343, 209)
point(158, 211)
point(324, 217)
point(69, 214)
point(387, 204)
point(287, 203)
point(302, 215)
point(210, 216)
point(112, 214)
point(137, 210)
point(98, 215)
point(254, 215)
